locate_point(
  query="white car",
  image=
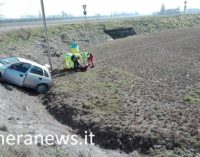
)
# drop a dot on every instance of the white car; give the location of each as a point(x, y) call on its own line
point(23, 72)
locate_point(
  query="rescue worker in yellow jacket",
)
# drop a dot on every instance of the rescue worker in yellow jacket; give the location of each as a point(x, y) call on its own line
point(74, 60)
point(74, 49)
point(84, 58)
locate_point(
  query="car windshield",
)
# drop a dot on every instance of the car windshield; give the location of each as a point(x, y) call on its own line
point(9, 60)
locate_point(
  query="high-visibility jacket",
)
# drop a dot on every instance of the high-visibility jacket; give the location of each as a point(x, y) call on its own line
point(68, 61)
point(85, 56)
point(74, 50)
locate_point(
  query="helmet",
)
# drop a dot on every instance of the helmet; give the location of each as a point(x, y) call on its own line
point(74, 44)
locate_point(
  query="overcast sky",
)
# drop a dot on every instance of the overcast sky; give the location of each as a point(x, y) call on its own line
point(20, 8)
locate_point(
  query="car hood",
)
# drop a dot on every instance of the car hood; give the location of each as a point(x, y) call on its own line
point(3, 66)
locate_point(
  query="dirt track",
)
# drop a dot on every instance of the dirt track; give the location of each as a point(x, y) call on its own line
point(142, 105)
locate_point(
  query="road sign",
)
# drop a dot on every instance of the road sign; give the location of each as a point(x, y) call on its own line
point(84, 6)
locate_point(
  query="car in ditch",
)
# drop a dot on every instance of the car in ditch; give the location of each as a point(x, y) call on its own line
point(26, 73)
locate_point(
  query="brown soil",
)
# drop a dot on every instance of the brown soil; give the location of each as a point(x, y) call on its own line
point(134, 97)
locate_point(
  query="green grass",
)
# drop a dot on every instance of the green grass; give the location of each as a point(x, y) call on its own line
point(60, 152)
point(193, 97)
point(197, 145)
point(2, 154)
point(141, 25)
point(102, 92)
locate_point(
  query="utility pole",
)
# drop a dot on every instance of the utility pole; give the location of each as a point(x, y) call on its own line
point(46, 34)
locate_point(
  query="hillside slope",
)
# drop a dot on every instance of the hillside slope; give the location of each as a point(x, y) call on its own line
point(135, 96)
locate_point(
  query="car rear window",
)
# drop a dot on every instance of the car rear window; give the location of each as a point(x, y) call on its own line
point(36, 70)
point(10, 60)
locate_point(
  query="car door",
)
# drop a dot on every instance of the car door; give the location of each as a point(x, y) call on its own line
point(34, 77)
point(16, 73)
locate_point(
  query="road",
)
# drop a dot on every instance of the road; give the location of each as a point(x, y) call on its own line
point(5, 27)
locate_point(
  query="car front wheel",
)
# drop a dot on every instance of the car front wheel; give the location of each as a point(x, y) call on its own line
point(41, 89)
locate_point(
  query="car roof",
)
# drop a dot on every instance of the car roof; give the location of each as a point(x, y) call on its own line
point(32, 63)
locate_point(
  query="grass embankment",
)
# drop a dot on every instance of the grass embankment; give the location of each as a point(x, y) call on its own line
point(98, 92)
point(93, 32)
point(96, 101)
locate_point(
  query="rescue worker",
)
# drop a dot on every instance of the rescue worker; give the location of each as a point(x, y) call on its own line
point(88, 58)
point(72, 61)
point(91, 60)
point(76, 60)
point(68, 62)
point(74, 49)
